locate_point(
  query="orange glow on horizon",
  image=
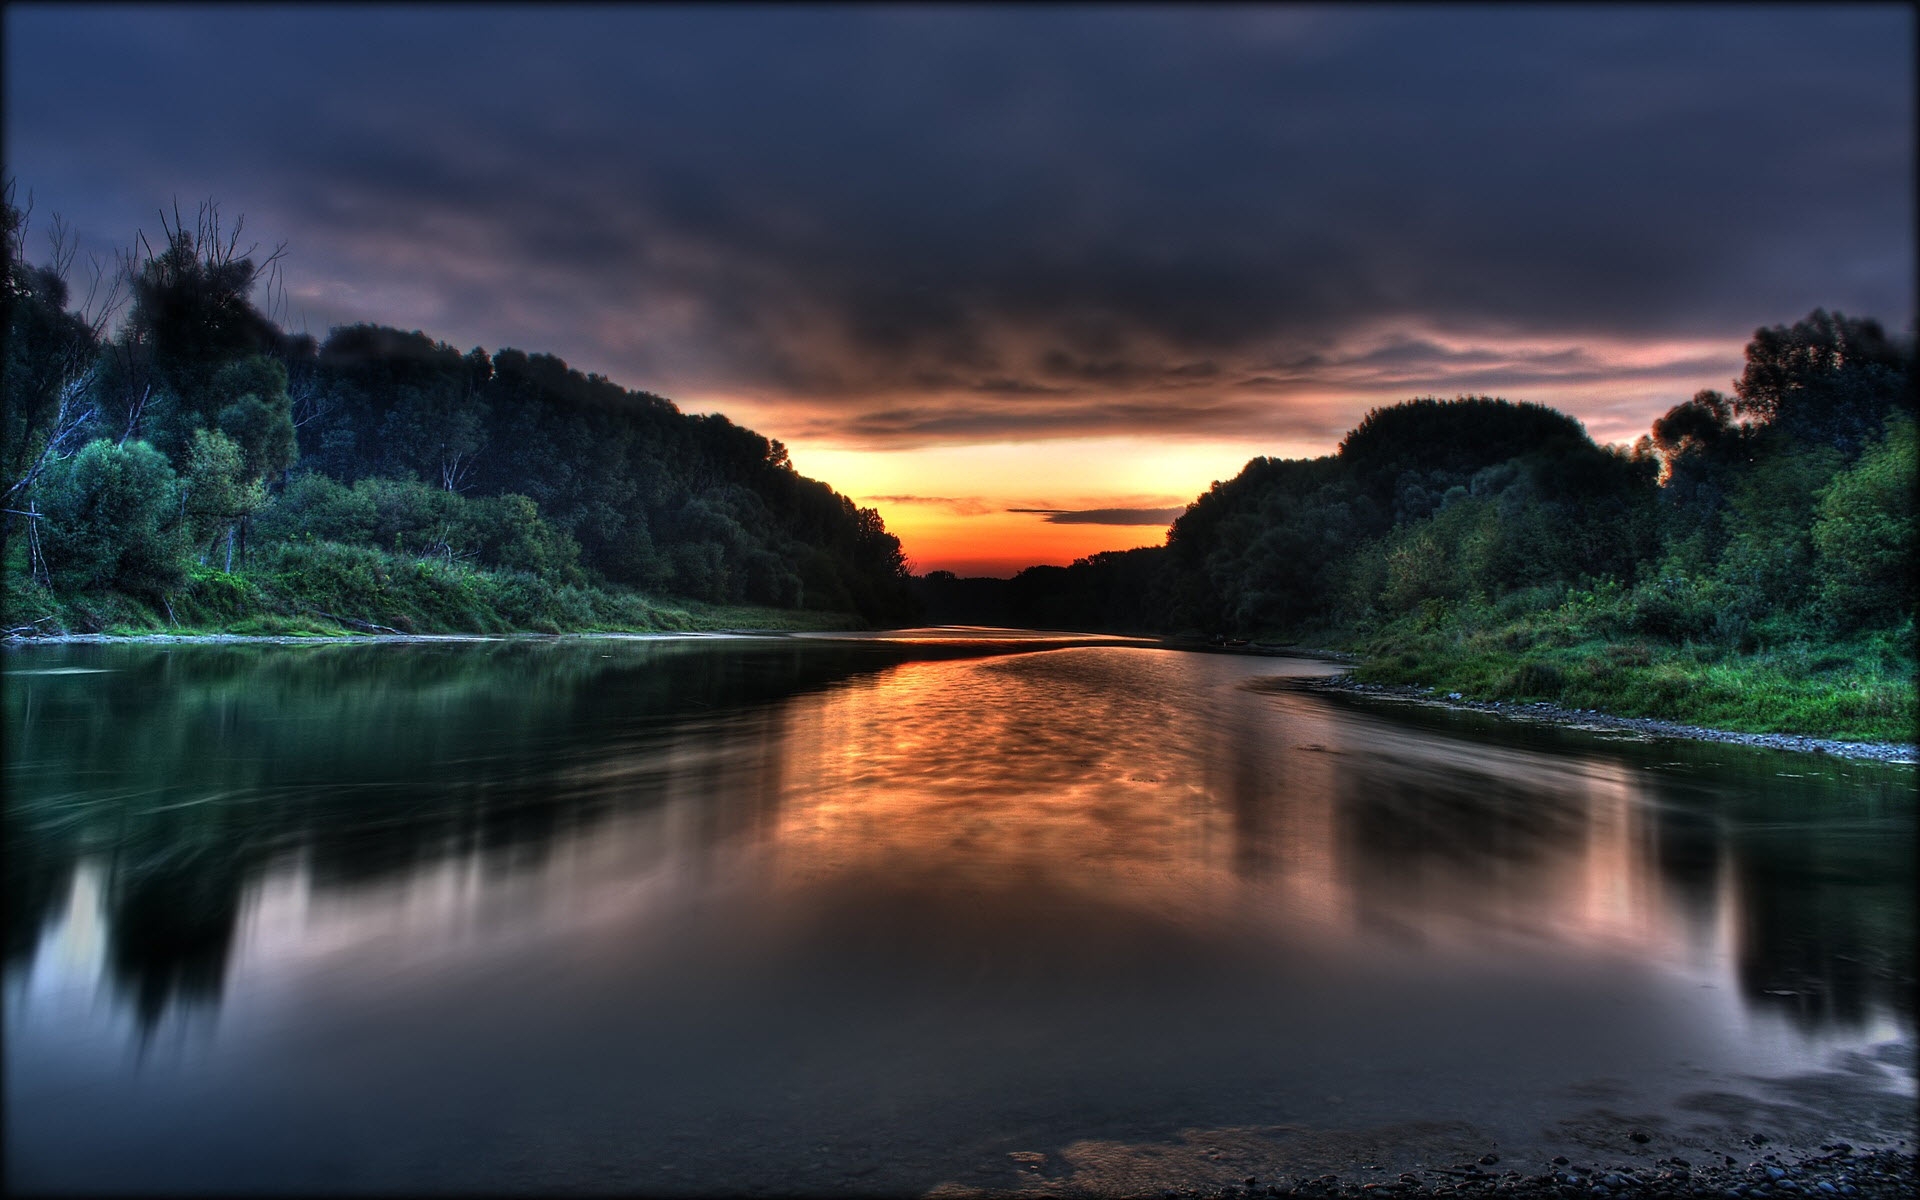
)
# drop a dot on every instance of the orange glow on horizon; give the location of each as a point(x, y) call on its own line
point(949, 505)
point(1003, 543)
point(948, 502)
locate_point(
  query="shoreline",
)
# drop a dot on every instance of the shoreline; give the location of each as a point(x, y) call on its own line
point(1594, 720)
point(13, 641)
point(1599, 1154)
point(1637, 1151)
point(1342, 684)
point(1839, 1170)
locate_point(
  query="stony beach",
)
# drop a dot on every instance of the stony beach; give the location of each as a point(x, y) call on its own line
point(1837, 1171)
point(1898, 752)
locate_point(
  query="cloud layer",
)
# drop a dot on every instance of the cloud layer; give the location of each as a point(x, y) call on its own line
point(892, 227)
point(1106, 516)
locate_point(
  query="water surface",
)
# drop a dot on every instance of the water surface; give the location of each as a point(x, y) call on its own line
point(936, 911)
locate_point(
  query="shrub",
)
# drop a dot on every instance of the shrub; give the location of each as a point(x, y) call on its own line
point(113, 520)
point(1676, 607)
point(1863, 534)
point(1535, 680)
point(408, 517)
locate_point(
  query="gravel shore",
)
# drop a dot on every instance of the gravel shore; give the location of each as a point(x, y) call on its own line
point(1897, 752)
point(1839, 1171)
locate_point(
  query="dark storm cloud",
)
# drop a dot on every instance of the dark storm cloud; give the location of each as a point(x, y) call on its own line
point(1106, 516)
point(912, 225)
point(966, 506)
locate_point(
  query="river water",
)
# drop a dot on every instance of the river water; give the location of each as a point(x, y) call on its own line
point(933, 912)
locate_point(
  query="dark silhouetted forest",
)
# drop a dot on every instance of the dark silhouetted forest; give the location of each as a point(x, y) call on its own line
point(168, 446)
point(1493, 547)
point(174, 459)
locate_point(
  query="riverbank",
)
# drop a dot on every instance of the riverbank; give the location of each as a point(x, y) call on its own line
point(427, 601)
point(1805, 695)
point(1838, 1171)
point(326, 591)
point(1580, 718)
point(1796, 681)
point(1604, 1156)
point(365, 639)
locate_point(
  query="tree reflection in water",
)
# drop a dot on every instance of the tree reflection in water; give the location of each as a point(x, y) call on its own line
point(756, 831)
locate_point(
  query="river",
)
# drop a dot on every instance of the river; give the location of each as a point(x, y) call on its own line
point(939, 912)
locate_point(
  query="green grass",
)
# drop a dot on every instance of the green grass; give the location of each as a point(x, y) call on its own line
point(326, 590)
point(1858, 689)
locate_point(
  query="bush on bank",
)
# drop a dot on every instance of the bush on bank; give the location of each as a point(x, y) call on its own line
point(324, 588)
point(1606, 652)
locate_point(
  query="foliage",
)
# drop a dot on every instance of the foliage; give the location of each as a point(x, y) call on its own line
point(1827, 380)
point(442, 489)
point(1859, 687)
point(113, 520)
point(48, 366)
point(691, 505)
point(193, 315)
point(217, 489)
point(249, 403)
point(1863, 533)
point(413, 518)
point(510, 461)
point(1768, 559)
point(1717, 571)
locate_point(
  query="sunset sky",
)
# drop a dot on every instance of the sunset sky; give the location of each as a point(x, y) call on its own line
point(1025, 280)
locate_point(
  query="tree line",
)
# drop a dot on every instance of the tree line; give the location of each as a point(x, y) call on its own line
point(1782, 511)
point(163, 426)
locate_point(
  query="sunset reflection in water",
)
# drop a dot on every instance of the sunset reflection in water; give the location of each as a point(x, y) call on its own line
point(729, 884)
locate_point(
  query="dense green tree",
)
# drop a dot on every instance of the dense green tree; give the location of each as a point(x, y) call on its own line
point(511, 460)
point(1863, 534)
point(218, 490)
point(1828, 379)
point(435, 430)
point(1441, 441)
point(1426, 501)
point(193, 316)
point(413, 517)
point(1701, 450)
point(249, 403)
point(1769, 556)
point(1712, 527)
point(113, 520)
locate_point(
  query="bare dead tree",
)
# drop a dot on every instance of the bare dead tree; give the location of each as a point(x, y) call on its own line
point(70, 418)
point(73, 369)
point(310, 400)
point(17, 245)
point(443, 548)
point(128, 353)
point(207, 246)
point(36, 560)
point(455, 466)
point(107, 290)
point(462, 440)
point(276, 286)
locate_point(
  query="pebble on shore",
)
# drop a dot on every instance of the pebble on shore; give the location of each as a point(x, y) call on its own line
point(1873, 1174)
point(1896, 752)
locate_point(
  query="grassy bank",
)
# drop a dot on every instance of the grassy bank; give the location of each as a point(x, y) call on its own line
point(1571, 655)
point(325, 589)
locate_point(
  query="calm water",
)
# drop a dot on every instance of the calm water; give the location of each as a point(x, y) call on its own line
point(825, 915)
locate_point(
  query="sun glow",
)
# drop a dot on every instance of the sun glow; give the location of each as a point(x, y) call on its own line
point(950, 505)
